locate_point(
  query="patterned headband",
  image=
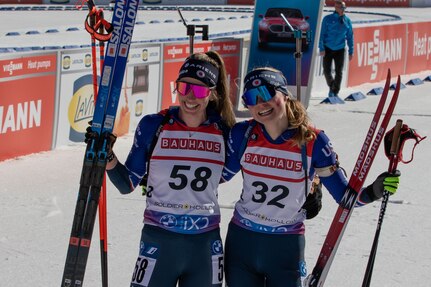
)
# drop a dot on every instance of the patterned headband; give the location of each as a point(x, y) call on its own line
point(199, 70)
point(270, 78)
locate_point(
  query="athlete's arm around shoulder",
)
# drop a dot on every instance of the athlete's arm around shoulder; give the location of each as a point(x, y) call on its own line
point(233, 156)
point(127, 176)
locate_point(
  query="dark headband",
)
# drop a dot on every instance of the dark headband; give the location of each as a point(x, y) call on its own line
point(269, 78)
point(199, 70)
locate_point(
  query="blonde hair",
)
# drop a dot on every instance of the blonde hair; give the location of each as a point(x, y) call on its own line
point(220, 100)
point(297, 116)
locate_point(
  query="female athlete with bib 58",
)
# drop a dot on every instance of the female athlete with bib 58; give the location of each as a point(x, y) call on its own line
point(265, 240)
point(182, 152)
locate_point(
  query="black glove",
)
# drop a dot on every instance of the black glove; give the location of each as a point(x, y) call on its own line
point(313, 202)
point(109, 146)
point(90, 134)
point(111, 138)
point(386, 181)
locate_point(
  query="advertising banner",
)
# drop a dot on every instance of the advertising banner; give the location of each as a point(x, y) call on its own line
point(273, 40)
point(175, 54)
point(76, 97)
point(27, 102)
point(418, 47)
point(76, 105)
point(141, 87)
point(377, 49)
point(373, 3)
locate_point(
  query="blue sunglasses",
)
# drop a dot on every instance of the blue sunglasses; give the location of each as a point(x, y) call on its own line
point(263, 92)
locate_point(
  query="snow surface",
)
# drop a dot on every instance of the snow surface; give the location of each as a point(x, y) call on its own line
point(38, 194)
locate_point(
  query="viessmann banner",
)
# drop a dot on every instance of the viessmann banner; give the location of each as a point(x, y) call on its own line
point(27, 97)
point(377, 48)
point(273, 43)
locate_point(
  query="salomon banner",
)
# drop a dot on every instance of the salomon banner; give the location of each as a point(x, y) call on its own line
point(175, 54)
point(279, 28)
point(27, 103)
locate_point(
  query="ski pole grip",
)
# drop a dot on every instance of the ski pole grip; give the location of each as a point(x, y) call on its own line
point(395, 146)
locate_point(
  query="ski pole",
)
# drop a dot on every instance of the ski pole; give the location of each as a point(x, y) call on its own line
point(103, 224)
point(95, 16)
point(103, 234)
point(393, 162)
point(92, 19)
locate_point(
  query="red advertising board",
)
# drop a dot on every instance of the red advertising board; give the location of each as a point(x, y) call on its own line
point(419, 47)
point(175, 54)
point(372, 3)
point(27, 97)
point(377, 48)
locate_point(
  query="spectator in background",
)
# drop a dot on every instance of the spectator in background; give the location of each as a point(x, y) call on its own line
point(336, 30)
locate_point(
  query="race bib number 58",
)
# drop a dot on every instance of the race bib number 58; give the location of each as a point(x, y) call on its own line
point(144, 266)
point(217, 262)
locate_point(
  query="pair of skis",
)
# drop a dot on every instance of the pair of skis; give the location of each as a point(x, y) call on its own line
point(362, 166)
point(95, 158)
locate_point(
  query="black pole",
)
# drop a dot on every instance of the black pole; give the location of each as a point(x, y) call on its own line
point(394, 159)
point(298, 55)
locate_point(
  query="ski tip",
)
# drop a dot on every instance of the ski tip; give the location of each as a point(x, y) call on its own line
point(398, 86)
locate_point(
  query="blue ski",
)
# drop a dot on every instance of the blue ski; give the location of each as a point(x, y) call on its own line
point(95, 158)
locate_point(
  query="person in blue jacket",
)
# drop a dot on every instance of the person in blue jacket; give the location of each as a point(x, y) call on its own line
point(335, 31)
point(265, 241)
point(182, 150)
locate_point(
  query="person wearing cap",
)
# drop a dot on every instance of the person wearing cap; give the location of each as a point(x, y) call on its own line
point(265, 241)
point(180, 239)
point(335, 31)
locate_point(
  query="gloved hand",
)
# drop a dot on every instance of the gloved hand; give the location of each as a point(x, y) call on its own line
point(90, 134)
point(313, 202)
point(386, 181)
point(109, 146)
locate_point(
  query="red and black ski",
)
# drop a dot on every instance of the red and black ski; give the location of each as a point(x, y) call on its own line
point(362, 166)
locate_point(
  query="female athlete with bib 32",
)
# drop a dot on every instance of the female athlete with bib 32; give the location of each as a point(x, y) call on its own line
point(182, 150)
point(265, 241)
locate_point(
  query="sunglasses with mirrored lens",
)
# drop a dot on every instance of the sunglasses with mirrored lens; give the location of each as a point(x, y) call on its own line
point(263, 92)
point(199, 92)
